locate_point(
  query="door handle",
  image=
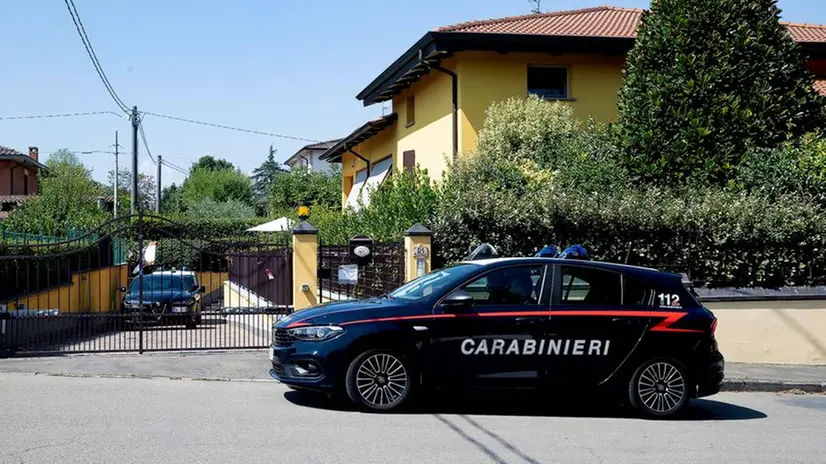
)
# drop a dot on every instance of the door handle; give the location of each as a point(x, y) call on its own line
point(526, 320)
point(625, 320)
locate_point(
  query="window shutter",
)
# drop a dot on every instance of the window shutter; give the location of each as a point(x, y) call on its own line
point(409, 160)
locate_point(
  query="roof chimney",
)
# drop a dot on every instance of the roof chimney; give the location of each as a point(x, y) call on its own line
point(34, 153)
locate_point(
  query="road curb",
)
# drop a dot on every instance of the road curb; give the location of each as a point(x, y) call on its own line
point(758, 385)
point(85, 375)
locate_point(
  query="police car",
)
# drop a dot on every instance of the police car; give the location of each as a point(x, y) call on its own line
point(563, 324)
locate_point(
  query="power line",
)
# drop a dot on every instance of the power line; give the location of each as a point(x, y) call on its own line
point(59, 115)
point(145, 145)
point(250, 131)
point(174, 166)
point(70, 5)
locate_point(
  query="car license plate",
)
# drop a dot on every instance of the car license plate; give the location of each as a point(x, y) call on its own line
point(272, 354)
point(180, 309)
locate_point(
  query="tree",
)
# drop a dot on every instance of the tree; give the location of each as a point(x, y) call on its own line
point(705, 81)
point(218, 185)
point(146, 190)
point(171, 201)
point(212, 164)
point(301, 185)
point(263, 176)
point(66, 199)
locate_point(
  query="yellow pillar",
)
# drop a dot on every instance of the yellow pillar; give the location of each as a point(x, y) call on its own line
point(418, 252)
point(305, 266)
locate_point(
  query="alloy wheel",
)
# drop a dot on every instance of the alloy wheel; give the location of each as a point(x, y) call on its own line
point(661, 387)
point(382, 380)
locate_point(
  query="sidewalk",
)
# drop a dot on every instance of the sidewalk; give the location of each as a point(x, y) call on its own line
point(253, 365)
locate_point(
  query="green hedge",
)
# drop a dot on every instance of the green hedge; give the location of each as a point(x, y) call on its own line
point(718, 238)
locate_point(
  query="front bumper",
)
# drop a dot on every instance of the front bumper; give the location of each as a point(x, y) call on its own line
point(301, 366)
point(710, 377)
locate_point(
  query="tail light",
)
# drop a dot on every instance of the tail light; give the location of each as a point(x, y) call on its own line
point(713, 327)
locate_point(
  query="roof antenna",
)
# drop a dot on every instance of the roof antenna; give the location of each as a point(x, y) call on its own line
point(538, 8)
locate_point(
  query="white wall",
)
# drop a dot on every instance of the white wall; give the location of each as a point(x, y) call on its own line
point(315, 163)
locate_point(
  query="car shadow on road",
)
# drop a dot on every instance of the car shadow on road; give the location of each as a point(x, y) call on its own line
point(535, 405)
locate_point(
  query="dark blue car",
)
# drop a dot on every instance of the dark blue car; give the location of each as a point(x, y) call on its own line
point(565, 325)
point(168, 297)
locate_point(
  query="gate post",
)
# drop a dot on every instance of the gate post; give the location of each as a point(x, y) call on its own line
point(305, 266)
point(417, 251)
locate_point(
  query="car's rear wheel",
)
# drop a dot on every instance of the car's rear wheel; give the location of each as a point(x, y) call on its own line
point(659, 388)
point(379, 381)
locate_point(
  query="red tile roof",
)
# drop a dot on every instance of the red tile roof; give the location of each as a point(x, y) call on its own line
point(820, 85)
point(602, 21)
point(6, 151)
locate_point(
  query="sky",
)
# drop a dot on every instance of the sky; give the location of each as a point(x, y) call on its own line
point(285, 67)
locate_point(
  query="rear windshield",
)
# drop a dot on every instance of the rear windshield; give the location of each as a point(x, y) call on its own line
point(164, 282)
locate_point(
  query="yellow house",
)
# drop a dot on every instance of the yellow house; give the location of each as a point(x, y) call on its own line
point(442, 85)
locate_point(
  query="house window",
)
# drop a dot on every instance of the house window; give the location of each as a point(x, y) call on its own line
point(548, 82)
point(411, 111)
point(25, 182)
point(409, 160)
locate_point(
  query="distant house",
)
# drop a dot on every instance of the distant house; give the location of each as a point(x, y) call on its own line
point(18, 177)
point(309, 156)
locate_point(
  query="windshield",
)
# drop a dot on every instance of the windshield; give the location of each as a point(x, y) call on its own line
point(428, 284)
point(153, 283)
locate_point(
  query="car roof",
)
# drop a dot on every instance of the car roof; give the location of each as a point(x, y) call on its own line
point(625, 268)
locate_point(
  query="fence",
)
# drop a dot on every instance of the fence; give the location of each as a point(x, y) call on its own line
point(340, 277)
point(82, 295)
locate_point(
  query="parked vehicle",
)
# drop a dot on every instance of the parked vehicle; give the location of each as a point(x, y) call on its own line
point(169, 297)
point(635, 334)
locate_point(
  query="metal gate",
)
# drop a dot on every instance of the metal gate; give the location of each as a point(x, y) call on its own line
point(89, 294)
point(340, 277)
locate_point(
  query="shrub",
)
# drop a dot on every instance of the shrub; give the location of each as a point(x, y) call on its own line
point(719, 238)
point(209, 208)
point(705, 81)
point(219, 185)
point(795, 168)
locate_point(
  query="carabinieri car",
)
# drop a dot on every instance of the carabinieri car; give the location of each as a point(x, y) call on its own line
point(568, 325)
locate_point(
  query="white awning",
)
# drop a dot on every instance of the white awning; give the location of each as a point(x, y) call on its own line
point(352, 198)
point(281, 224)
point(378, 173)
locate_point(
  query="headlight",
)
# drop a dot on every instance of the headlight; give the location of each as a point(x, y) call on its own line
point(130, 304)
point(316, 333)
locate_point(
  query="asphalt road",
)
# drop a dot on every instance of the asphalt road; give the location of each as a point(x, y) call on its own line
point(48, 419)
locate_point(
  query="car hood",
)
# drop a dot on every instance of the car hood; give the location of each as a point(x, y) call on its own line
point(161, 296)
point(345, 311)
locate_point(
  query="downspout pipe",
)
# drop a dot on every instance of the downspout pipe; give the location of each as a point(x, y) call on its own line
point(455, 91)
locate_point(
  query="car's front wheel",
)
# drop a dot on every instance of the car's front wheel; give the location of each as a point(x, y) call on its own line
point(379, 381)
point(659, 388)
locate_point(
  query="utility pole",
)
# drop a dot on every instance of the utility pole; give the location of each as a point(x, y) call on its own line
point(135, 124)
point(158, 187)
point(116, 176)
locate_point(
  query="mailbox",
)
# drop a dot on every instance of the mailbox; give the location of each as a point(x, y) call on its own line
point(361, 249)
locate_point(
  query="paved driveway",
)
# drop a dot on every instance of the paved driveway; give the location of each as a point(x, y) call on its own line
point(49, 419)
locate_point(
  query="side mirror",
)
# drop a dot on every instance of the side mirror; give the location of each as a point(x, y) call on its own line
point(123, 289)
point(457, 300)
point(203, 289)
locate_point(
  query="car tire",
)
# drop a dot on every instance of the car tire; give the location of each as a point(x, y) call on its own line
point(659, 388)
point(379, 381)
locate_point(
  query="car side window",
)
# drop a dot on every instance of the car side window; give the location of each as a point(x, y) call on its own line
point(635, 292)
point(588, 286)
point(517, 285)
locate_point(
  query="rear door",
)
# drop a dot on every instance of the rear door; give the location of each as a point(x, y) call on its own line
point(494, 343)
point(598, 316)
